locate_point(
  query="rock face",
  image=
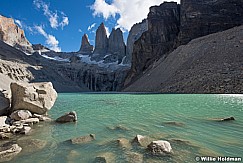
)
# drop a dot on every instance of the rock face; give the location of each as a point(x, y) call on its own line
point(68, 117)
point(20, 115)
point(4, 104)
point(11, 34)
point(159, 39)
point(116, 45)
point(200, 18)
point(171, 25)
point(101, 42)
point(210, 64)
point(86, 48)
point(160, 147)
point(8, 152)
point(134, 34)
point(35, 97)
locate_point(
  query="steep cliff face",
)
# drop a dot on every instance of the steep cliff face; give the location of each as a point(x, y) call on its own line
point(116, 44)
point(163, 29)
point(11, 34)
point(86, 48)
point(134, 34)
point(200, 18)
point(209, 64)
point(101, 43)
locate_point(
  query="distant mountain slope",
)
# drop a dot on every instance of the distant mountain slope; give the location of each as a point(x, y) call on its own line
point(210, 64)
point(17, 66)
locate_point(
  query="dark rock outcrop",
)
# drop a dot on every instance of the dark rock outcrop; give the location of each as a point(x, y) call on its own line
point(210, 64)
point(192, 19)
point(68, 117)
point(163, 29)
point(86, 48)
point(4, 104)
point(200, 18)
point(11, 34)
point(134, 34)
point(101, 43)
point(116, 45)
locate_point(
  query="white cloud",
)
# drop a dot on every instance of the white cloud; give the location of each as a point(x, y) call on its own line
point(107, 31)
point(80, 30)
point(53, 17)
point(51, 41)
point(65, 21)
point(104, 9)
point(91, 26)
point(19, 23)
point(129, 11)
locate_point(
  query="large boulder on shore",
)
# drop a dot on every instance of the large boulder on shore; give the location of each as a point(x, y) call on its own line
point(160, 147)
point(35, 97)
point(9, 151)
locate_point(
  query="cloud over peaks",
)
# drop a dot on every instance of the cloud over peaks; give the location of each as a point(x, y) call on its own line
point(53, 16)
point(51, 41)
point(129, 11)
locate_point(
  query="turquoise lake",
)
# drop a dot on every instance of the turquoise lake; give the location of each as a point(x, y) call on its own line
point(192, 131)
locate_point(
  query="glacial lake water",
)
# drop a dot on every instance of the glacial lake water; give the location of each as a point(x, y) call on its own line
point(144, 114)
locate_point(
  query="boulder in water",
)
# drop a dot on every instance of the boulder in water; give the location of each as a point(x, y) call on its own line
point(9, 151)
point(160, 147)
point(68, 117)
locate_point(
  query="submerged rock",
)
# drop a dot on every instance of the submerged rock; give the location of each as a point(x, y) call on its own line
point(172, 123)
point(34, 97)
point(68, 117)
point(20, 115)
point(118, 128)
point(124, 143)
point(107, 157)
point(160, 147)
point(83, 139)
point(31, 145)
point(133, 157)
point(9, 151)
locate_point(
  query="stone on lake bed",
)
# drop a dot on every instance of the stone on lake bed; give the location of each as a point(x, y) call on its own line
point(31, 145)
point(83, 139)
point(9, 151)
point(107, 157)
point(160, 147)
point(68, 117)
point(118, 128)
point(172, 123)
point(133, 157)
point(124, 143)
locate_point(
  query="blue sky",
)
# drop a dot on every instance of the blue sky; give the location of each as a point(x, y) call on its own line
point(60, 24)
